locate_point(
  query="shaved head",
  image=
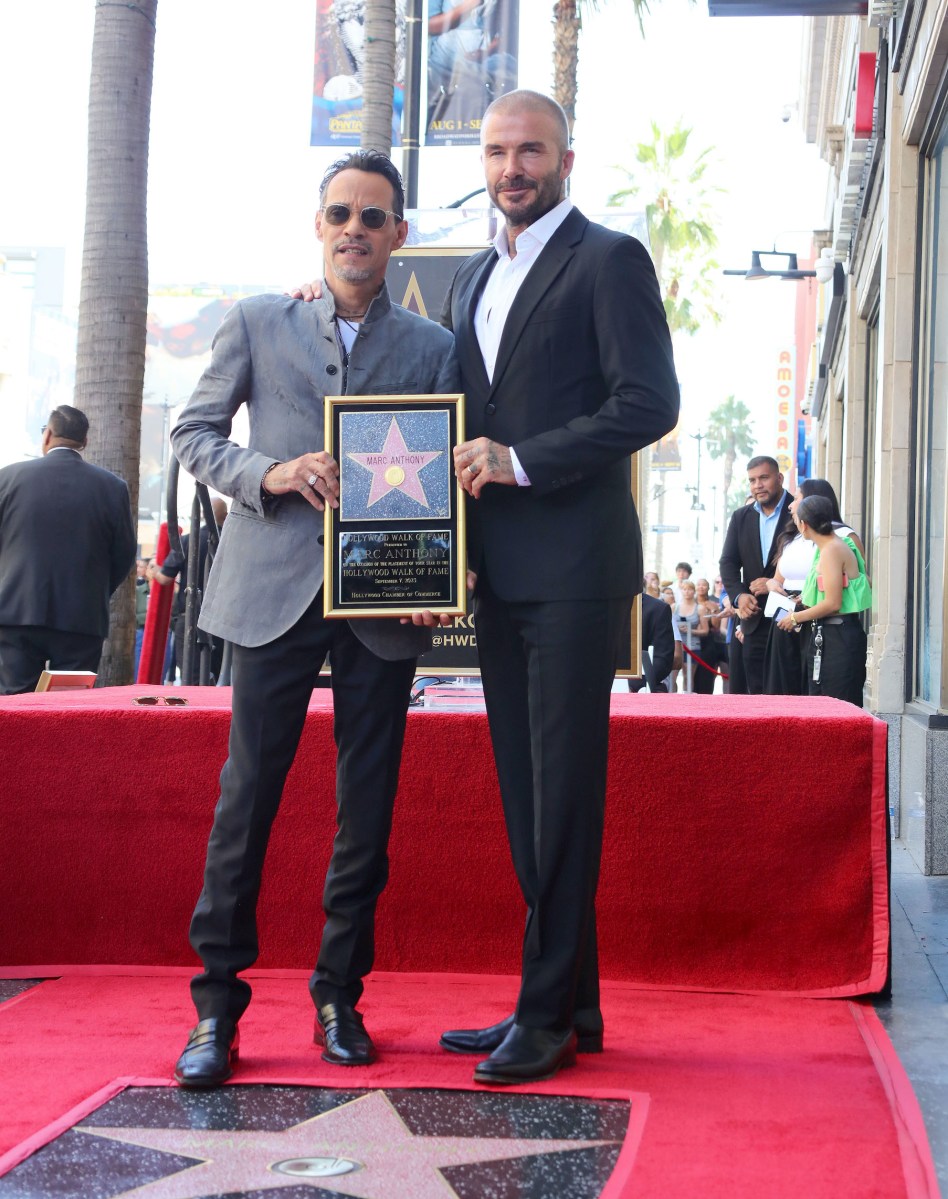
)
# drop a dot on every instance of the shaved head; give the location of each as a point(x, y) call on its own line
point(527, 101)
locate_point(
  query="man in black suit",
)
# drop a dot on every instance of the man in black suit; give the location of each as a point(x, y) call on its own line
point(747, 562)
point(66, 542)
point(657, 632)
point(567, 367)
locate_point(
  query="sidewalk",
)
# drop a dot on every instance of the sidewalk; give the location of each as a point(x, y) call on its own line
point(916, 1017)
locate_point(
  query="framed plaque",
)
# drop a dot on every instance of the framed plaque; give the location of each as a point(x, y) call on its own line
point(630, 667)
point(396, 543)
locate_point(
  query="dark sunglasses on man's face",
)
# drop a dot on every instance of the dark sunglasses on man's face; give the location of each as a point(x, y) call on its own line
point(372, 218)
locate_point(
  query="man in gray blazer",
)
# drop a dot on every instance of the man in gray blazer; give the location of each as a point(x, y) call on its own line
point(280, 358)
point(67, 541)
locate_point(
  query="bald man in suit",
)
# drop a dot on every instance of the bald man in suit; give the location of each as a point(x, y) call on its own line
point(567, 367)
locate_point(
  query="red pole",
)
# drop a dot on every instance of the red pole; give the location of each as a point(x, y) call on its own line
point(158, 619)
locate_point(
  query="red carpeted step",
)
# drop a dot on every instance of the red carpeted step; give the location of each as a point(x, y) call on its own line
point(732, 1096)
point(733, 859)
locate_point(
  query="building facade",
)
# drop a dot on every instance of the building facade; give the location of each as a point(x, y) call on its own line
point(875, 101)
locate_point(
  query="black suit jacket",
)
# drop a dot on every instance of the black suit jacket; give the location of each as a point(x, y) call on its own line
point(584, 378)
point(656, 632)
point(67, 540)
point(741, 560)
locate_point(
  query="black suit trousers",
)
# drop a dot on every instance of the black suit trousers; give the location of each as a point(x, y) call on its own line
point(272, 685)
point(25, 650)
point(753, 652)
point(547, 670)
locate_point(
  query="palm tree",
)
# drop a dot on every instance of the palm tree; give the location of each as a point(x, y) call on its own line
point(378, 75)
point(680, 219)
point(113, 302)
point(729, 433)
point(567, 24)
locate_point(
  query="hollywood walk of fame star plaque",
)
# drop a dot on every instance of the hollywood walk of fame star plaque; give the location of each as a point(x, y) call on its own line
point(395, 545)
point(293, 1142)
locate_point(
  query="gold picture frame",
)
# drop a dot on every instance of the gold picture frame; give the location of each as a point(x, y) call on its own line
point(397, 542)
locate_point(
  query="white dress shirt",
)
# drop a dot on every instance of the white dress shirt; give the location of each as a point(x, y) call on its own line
point(501, 290)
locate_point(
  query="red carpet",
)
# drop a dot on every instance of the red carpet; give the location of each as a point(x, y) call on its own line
point(756, 1096)
point(733, 860)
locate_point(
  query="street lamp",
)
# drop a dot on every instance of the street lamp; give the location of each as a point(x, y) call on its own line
point(696, 504)
point(790, 271)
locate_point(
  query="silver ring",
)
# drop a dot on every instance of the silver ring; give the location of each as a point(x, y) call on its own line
point(472, 470)
point(311, 480)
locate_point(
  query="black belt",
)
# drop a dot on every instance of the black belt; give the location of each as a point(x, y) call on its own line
point(844, 618)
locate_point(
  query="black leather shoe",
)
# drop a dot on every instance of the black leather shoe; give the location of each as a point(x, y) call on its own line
point(527, 1055)
point(210, 1053)
point(485, 1040)
point(339, 1029)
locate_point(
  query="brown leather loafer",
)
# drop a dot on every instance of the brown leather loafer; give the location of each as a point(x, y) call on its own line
point(339, 1029)
point(212, 1048)
point(588, 1026)
point(527, 1055)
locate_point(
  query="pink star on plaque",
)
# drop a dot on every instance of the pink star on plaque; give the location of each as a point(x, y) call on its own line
point(396, 467)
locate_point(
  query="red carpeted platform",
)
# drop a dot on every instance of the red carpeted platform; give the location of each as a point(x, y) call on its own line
point(732, 1097)
point(734, 859)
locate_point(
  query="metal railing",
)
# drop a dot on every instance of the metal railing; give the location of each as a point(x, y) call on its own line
point(194, 656)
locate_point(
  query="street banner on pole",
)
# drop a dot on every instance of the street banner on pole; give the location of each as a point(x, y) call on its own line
point(472, 59)
point(337, 73)
point(666, 454)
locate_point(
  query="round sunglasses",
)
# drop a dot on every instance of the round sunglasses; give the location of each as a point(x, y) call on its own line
point(371, 217)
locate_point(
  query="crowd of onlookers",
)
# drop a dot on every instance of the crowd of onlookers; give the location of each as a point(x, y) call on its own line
point(702, 622)
point(796, 621)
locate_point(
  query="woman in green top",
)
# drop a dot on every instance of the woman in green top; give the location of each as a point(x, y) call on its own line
point(835, 592)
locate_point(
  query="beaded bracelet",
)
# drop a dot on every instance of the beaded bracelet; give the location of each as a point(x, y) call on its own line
point(267, 495)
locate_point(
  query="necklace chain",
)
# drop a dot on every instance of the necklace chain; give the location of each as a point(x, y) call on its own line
point(351, 316)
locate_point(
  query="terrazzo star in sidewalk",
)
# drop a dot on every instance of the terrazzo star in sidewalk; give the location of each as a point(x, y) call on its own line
point(376, 1154)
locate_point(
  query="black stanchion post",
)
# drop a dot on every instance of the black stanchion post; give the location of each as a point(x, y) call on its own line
point(411, 121)
point(189, 667)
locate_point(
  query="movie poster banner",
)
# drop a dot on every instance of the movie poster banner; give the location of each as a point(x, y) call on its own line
point(666, 454)
point(337, 72)
point(472, 59)
point(396, 543)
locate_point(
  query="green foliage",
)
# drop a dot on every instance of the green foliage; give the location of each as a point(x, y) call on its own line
point(680, 217)
point(729, 435)
point(639, 7)
point(729, 430)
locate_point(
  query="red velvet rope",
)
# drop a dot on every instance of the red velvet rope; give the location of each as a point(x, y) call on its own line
point(691, 653)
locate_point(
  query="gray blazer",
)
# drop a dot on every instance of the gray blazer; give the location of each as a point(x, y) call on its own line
point(280, 357)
